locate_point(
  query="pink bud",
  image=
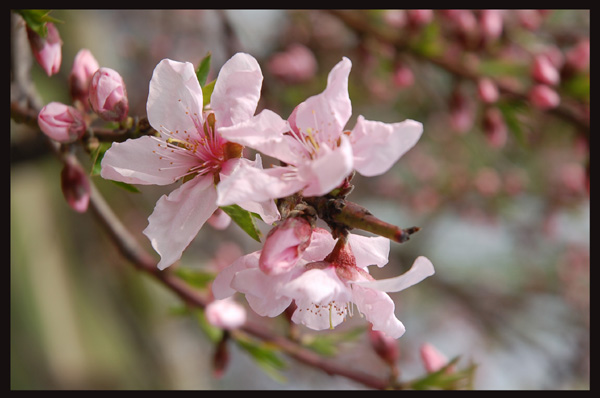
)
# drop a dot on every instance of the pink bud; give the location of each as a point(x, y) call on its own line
point(403, 77)
point(108, 95)
point(491, 23)
point(495, 127)
point(462, 112)
point(225, 314)
point(395, 18)
point(75, 186)
point(487, 90)
point(284, 245)
point(46, 50)
point(578, 58)
point(84, 67)
point(419, 17)
point(61, 122)
point(543, 97)
point(432, 358)
point(297, 64)
point(544, 71)
point(385, 346)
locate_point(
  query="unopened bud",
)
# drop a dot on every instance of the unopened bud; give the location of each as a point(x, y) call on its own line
point(578, 58)
point(544, 97)
point(284, 245)
point(61, 122)
point(47, 51)
point(385, 346)
point(75, 186)
point(419, 17)
point(491, 23)
point(108, 95)
point(487, 90)
point(433, 359)
point(544, 71)
point(225, 314)
point(84, 67)
point(403, 76)
point(495, 127)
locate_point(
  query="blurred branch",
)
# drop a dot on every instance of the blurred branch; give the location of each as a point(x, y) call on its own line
point(356, 21)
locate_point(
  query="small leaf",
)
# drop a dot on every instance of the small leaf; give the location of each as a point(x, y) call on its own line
point(37, 19)
point(203, 69)
point(244, 219)
point(445, 379)
point(207, 91)
point(265, 355)
point(196, 278)
point(327, 344)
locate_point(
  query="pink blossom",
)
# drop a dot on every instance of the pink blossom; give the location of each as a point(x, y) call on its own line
point(294, 65)
point(403, 76)
point(578, 57)
point(544, 71)
point(325, 284)
point(61, 122)
point(487, 90)
point(47, 51)
point(317, 151)
point(189, 147)
point(225, 314)
point(84, 67)
point(108, 95)
point(544, 97)
point(491, 23)
point(284, 245)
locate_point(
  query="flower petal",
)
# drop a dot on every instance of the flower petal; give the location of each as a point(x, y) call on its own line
point(237, 90)
point(378, 308)
point(175, 99)
point(262, 291)
point(264, 132)
point(329, 170)
point(421, 269)
point(221, 286)
point(328, 112)
point(319, 286)
point(377, 145)
point(251, 184)
point(369, 250)
point(145, 160)
point(177, 218)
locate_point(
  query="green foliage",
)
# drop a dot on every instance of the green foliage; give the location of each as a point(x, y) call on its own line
point(37, 20)
point(447, 378)
point(202, 75)
point(195, 277)
point(265, 355)
point(329, 344)
point(244, 219)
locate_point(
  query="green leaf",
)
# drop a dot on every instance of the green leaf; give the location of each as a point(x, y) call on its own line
point(445, 378)
point(327, 344)
point(244, 219)
point(37, 19)
point(203, 69)
point(194, 277)
point(265, 355)
point(207, 91)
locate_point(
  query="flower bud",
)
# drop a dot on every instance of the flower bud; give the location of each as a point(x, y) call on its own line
point(385, 346)
point(75, 186)
point(46, 50)
point(295, 65)
point(61, 122)
point(108, 95)
point(284, 245)
point(494, 127)
point(487, 90)
point(225, 314)
point(491, 23)
point(544, 71)
point(432, 358)
point(84, 67)
point(543, 97)
point(403, 76)
point(578, 58)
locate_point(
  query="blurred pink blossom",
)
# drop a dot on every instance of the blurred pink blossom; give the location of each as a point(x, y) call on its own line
point(578, 57)
point(296, 64)
point(544, 97)
point(225, 314)
point(487, 90)
point(491, 24)
point(432, 358)
point(75, 186)
point(544, 71)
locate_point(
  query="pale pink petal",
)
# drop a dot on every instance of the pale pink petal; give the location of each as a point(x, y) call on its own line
point(175, 99)
point(328, 171)
point(378, 308)
point(221, 286)
point(248, 183)
point(320, 286)
point(219, 220)
point(265, 133)
point(377, 145)
point(321, 244)
point(145, 160)
point(237, 90)
point(225, 314)
point(369, 250)
point(178, 217)
point(421, 269)
point(327, 113)
point(263, 292)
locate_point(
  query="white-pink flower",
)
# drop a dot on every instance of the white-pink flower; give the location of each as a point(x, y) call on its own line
point(325, 287)
point(317, 151)
point(225, 314)
point(188, 146)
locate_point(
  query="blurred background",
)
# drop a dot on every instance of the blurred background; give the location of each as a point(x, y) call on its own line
point(498, 184)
